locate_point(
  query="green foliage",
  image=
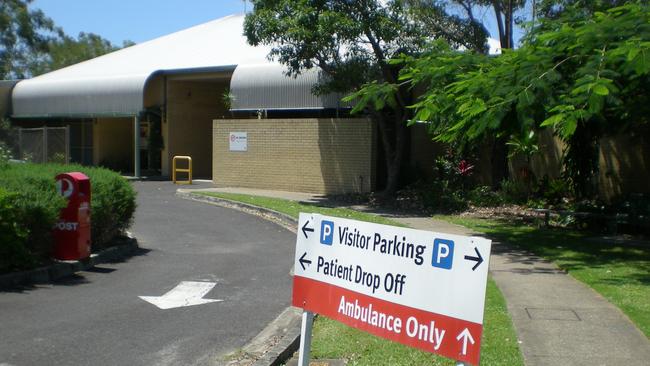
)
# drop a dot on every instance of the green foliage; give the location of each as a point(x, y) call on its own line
point(294, 208)
point(24, 34)
point(445, 198)
point(113, 203)
point(13, 235)
point(65, 51)
point(525, 145)
point(5, 155)
point(31, 206)
point(582, 74)
point(484, 196)
point(618, 270)
point(352, 43)
point(555, 191)
point(8, 138)
point(31, 44)
point(31, 209)
point(515, 191)
point(227, 98)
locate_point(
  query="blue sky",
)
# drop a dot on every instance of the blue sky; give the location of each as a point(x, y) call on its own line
point(135, 20)
point(143, 20)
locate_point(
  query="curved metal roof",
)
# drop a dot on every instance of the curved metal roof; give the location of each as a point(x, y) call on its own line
point(114, 84)
point(267, 87)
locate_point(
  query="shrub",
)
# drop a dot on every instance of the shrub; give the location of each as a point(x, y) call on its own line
point(112, 204)
point(32, 206)
point(514, 191)
point(484, 196)
point(13, 235)
point(442, 197)
point(35, 203)
point(554, 191)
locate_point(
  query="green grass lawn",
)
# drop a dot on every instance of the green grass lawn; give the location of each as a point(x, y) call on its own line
point(621, 273)
point(335, 340)
point(293, 208)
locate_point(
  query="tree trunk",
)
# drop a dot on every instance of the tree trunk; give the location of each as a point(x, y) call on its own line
point(394, 150)
point(498, 16)
point(510, 23)
point(499, 161)
point(581, 160)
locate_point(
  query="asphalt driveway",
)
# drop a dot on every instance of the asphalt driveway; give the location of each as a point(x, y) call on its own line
point(97, 317)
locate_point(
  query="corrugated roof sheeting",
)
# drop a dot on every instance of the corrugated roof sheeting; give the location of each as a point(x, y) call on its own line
point(113, 84)
point(266, 87)
point(119, 96)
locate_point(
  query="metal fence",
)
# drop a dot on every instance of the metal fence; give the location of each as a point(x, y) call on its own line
point(44, 145)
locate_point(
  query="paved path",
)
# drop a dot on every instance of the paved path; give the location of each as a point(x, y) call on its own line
point(559, 321)
point(97, 317)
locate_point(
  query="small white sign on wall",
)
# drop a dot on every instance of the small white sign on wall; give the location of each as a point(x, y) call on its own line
point(238, 141)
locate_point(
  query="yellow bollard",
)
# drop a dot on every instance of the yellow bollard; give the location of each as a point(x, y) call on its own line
point(188, 170)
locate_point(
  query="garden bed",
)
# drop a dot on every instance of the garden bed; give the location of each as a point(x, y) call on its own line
point(30, 206)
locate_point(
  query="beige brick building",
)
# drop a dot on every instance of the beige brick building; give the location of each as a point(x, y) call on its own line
point(193, 89)
point(320, 155)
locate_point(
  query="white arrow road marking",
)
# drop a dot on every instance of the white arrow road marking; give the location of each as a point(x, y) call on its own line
point(186, 293)
point(466, 335)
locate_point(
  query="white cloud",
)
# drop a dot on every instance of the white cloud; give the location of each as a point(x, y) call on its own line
point(495, 46)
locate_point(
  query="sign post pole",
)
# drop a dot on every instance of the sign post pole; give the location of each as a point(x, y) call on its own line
point(305, 338)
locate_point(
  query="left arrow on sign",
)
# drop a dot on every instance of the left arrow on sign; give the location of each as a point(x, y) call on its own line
point(302, 261)
point(186, 293)
point(306, 229)
point(465, 336)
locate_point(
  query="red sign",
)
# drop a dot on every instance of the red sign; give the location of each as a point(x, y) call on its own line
point(449, 337)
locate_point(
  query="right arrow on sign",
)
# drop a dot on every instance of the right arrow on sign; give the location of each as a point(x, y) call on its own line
point(465, 336)
point(302, 261)
point(478, 259)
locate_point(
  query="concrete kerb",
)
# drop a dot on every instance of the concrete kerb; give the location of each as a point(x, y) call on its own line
point(276, 343)
point(279, 218)
point(61, 269)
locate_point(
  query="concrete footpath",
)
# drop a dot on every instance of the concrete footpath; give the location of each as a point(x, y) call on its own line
point(558, 320)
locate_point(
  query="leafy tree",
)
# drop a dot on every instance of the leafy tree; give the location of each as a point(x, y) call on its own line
point(583, 74)
point(31, 44)
point(504, 15)
point(461, 32)
point(352, 42)
point(23, 34)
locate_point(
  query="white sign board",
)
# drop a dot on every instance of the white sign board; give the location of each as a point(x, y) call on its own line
point(238, 141)
point(420, 288)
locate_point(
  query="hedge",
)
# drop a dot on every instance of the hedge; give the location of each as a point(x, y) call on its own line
point(30, 206)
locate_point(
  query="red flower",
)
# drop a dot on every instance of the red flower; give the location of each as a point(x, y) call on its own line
point(465, 168)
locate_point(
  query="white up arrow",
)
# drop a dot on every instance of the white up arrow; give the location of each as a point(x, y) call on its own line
point(186, 293)
point(465, 335)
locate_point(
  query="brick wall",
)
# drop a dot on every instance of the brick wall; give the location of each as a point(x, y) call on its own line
point(302, 155)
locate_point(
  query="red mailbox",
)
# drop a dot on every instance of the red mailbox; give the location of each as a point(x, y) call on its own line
point(72, 231)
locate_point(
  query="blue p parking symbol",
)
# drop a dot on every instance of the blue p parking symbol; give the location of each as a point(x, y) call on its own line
point(326, 232)
point(443, 253)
